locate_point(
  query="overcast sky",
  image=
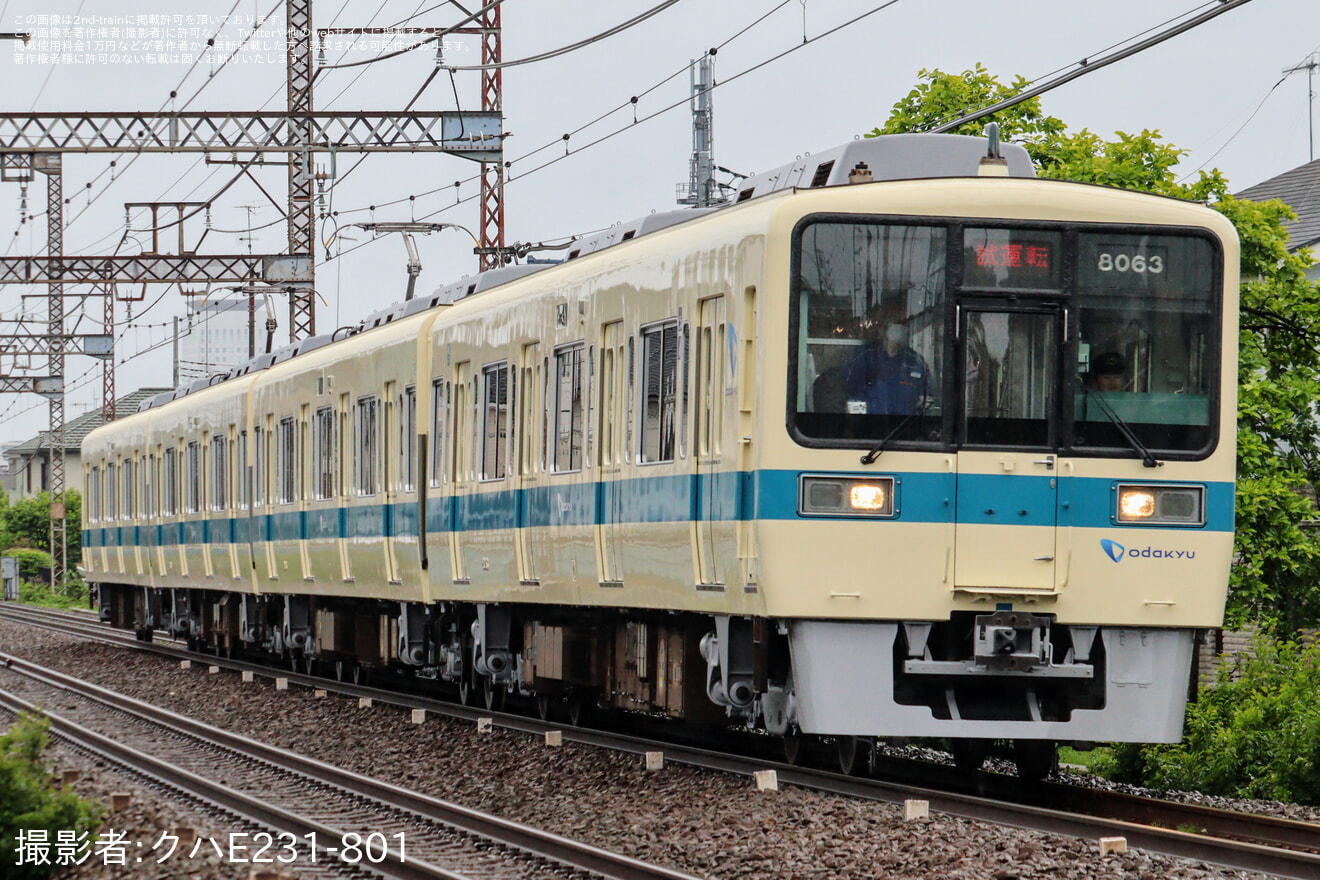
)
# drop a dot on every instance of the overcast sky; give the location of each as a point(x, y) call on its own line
point(1214, 92)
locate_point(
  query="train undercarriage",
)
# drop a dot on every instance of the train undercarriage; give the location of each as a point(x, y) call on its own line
point(704, 670)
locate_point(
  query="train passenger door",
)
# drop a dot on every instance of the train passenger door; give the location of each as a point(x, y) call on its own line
point(611, 447)
point(714, 477)
point(390, 442)
point(1004, 535)
point(528, 462)
point(460, 468)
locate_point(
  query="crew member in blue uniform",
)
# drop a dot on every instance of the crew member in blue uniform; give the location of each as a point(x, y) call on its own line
point(885, 373)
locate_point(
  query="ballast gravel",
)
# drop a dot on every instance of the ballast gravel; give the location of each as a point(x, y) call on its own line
point(701, 822)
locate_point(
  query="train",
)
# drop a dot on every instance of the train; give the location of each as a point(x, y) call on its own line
point(902, 442)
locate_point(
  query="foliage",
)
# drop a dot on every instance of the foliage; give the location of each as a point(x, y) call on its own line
point(28, 521)
point(1256, 734)
point(30, 801)
point(1276, 575)
point(29, 563)
point(6, 536)
point(74, 595)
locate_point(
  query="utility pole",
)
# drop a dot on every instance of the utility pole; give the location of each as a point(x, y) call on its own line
point(1309, 65)
point(50, 165)
point(492, 173)
point(701, 191)
point(301, 211)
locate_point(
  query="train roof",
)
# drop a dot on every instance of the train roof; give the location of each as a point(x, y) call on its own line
point(891, 157)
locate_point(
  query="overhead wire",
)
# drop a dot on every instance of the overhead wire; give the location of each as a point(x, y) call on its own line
point(682, 102)
point(1241, 127)
point(679, 103)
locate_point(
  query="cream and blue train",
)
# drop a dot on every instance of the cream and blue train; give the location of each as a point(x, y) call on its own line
point(834, 460)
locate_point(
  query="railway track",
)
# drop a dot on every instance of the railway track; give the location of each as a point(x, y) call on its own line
point(1227, 838)
point(335, 820)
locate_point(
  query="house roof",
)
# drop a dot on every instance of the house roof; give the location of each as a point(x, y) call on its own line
point(1299, 189)
point(76, 430)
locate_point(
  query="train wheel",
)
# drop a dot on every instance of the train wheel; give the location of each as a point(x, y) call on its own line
point(969, 754)
point(854, 755)
point(492, 695)
point(361, 675)
point(543, 708)
point(1036, 759)
point(793, 746)
point(579, 708)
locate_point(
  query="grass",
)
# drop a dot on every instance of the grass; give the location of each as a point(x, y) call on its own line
point(45, 597)
point(1089, 759)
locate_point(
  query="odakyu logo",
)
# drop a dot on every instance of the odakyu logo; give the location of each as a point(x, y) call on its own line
point(1117, 551)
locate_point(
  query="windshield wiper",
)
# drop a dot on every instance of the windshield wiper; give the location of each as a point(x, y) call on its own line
point(1147, 459)
point(871, 456)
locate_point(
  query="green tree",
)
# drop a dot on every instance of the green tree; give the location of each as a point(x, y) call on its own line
point(6, 536)
point(28, 521)
point(29, 800)
point(1276, 578)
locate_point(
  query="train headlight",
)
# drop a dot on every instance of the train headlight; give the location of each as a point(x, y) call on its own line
point(1163, 505)
point(845, 496)
point(868, 497)
point(1135, 504)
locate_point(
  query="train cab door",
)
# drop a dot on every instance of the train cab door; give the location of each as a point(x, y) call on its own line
point(714, 500)
point(1004, 535)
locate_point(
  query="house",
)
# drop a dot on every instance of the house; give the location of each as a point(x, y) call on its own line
point(29, 462)
point(1299, 189)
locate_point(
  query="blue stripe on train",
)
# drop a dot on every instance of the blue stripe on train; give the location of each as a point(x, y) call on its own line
point(1086, 502)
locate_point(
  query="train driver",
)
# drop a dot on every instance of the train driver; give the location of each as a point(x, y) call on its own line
point(1107, 371)
point(885, 375)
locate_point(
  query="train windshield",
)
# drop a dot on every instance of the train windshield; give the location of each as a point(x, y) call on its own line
point(870, 342)
point(1147, 342)
point(926, 335)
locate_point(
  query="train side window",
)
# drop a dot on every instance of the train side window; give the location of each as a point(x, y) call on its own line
point(545, 414)
point(285, 466)
point(659, 392)
point(408, 440)
point(526, 437)
point(323, 454)
point(460, 437)
point(259, 458)
point(126, 477)
point(244, 484)
point(194, 477)
point(628, 401)
point(111, 491)
point(439, 420)
point(148, 465)
point(219, 473)
point(608, 392)
point(94, 495)
point(169, 495)
point(494, 421)
point(588, 399)
point(683, 427)
point(568, 409)
point(342, 450)
point(302, 452)
point(365, 446)
point(512, 428)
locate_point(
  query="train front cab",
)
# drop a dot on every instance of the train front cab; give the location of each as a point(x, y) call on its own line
point(1021, 552)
